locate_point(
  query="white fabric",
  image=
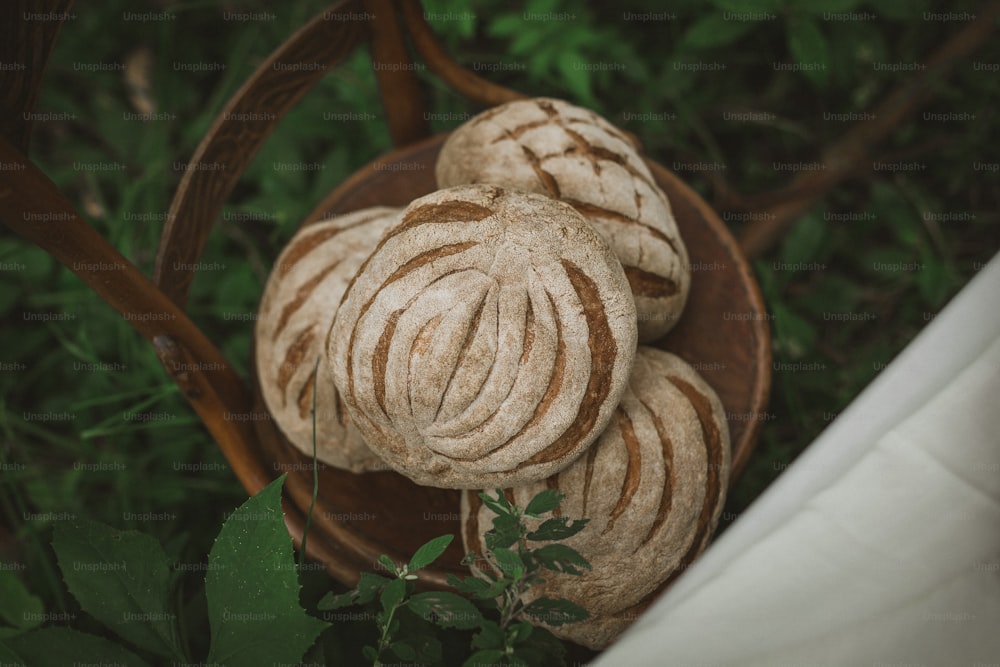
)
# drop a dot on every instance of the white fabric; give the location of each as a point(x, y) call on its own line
point(880, 545)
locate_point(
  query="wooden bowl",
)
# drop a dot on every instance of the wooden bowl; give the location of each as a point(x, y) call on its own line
point(723, 333)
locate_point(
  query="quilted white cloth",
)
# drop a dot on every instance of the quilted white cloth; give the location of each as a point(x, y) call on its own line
point(880, 545)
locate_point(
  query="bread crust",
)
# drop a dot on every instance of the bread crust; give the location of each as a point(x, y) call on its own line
point(296, 310)
point(653, 487)
point(551, 147)
point(487, 339)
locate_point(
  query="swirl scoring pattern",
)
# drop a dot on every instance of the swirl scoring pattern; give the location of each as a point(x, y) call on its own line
point(487, 339)
point(653, 487)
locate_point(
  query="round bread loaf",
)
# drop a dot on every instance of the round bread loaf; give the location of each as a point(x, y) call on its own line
point(297, 308)
point(551, 147)
point(653, 487)
point(487, 339)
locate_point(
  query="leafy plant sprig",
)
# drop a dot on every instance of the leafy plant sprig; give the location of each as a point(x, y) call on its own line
point(503, 575)
point(512, 566)
point(395, 594)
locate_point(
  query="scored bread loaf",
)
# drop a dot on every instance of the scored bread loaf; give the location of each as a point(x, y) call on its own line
point(296, 310)
point(551, 147)
point(652, 486)
point(487, 339)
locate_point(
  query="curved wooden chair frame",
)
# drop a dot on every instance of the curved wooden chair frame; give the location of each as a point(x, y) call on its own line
point(217, 392)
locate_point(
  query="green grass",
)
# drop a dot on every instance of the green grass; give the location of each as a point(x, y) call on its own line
point(121, 455)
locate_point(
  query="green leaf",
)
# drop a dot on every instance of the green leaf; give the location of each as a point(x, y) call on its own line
point(429, 552)
point(520, 632)
point(393, 594)
point(65, 646)
point(506, 531)
point(485, 658)
point(18, 607)
point(543, 503)
point(367, 590)
point(541, 648)
point(804, 242)
point(500, 505)
point(713, 30)
point(574, 75)
point(478, 588)
point(793, 335)
point(121, 578)
point(252, 588)
point(489, 636)
point(809, 49)
point(446, 609)
point(403, 651)
point(369, 586)
point(557, 528)
point(505, 26)
point(331, 601)
point(509, 563)
point(561, 558)
point(556, 612)
point(933, 281)
point(388, 564)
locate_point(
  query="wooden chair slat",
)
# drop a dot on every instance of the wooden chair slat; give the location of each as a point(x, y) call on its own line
point(34, 207)
point(232, 142)
point(402, 101)
point(25, 46)
point(466, 83)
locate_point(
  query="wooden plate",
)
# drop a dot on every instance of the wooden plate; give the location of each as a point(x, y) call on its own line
point(723, 333)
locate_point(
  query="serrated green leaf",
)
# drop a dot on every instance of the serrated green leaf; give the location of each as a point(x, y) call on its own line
point(388, 564)
point(370, 653)
point(429, 552)
point(331, 601)
point(393, 594)
point(485, 658)
point(252, 588)
point(468, 585)
point(18, 607)
point(557, 528)
point(403, 651)
point(489, 636)
point(561, 558)
point(65, 646)
point(713, 30)
point(520, 632)
point(446, 609)
point(509, 563)
point(809, 49)
point(506, 531)
point(542, 648)
point(500, 505)
point(121, 578)
point(543, 503)
point(369, 586)
point(556, 612)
